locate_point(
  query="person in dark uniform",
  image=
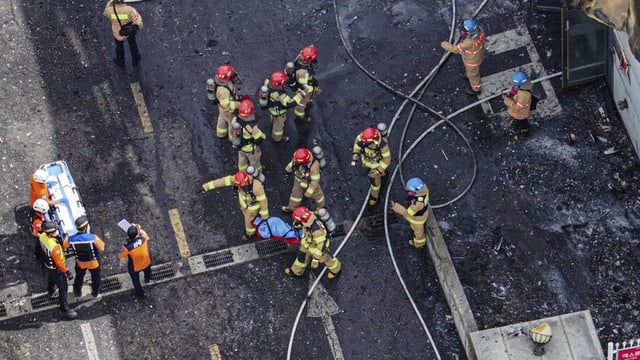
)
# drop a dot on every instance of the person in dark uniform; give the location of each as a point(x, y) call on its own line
point(54, 262)
point(136, 250)
point(87, 247)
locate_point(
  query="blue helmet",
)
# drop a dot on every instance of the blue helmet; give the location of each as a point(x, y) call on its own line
point(415, 185)
point(519, 79)
point(470, 26)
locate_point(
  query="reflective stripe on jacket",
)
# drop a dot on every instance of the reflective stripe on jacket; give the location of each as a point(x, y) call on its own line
point(54, 256)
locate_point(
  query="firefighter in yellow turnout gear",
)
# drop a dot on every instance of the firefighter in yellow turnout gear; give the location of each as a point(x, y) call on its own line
point(373, 151)
point(276, 101)
point(314, 245)
point(248, 135)
point(306, 182)
point(305, 84)
point(417, 212)
point(471, 48)
point(251, 196)
point(227, 98)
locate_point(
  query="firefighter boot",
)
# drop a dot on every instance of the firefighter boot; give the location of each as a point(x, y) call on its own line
point(332, 276)
point(411, 243)
point(372, 200)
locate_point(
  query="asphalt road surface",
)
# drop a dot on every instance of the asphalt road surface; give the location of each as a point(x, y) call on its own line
point(546, 228)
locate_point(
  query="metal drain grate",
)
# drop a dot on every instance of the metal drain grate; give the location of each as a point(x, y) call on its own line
point(3, 311)
point(269, 247)
point(217, 259)
point(161, 272)
point(110, 284)
point(42, 301)
point(376, 222)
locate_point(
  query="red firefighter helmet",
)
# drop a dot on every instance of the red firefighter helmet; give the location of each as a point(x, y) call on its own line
point(279, 79)
point(370, 135)
point(301, 214)
point(309, 54)
point(242, 179)
point(225, 72)
point(246, 108)
point(302, 156)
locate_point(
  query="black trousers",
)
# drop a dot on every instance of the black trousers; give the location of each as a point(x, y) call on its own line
point(135, 278)
point(95, 280)
point(59, 279)
point(133, 48)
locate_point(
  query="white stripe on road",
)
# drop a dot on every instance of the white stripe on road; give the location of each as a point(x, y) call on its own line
point(89, 342)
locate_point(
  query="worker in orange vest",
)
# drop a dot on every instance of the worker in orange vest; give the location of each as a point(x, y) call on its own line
point(136, 251)
point(54, 262)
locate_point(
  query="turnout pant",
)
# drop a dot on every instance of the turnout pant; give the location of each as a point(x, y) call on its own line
point(473, 75)
point(297, 192)
point(375, 179)
point(277, 127)
point(223, 126)
point(304, 258)
point(250, 158)
point(249, 215)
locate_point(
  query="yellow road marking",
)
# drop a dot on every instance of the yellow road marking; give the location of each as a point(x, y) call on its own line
point(142, 108)
point(178, 230)
point(215, 352)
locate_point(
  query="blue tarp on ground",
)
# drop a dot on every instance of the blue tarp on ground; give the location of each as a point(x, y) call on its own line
point(277, 229)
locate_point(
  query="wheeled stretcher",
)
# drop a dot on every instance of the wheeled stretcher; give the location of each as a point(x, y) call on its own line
point(62, 187)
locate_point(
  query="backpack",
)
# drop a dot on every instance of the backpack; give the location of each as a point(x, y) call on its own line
point(534, 100)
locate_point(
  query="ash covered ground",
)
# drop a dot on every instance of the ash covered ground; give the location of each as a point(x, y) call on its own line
point(546, 228)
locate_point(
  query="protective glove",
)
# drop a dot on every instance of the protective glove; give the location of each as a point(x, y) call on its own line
point(69, 275)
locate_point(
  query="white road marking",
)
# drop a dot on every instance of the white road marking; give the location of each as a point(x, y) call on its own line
point(89, 341)
point(322, 305)
point(495, 83)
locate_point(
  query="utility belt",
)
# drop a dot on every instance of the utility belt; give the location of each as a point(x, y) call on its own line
point(373, 159)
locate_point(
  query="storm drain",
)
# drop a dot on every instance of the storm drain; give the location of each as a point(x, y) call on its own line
point(376, 222)
point(42, 301)
point(163, 271)
point(217, 259)
point(110, 284)
point(270, 247)
point(3, 310)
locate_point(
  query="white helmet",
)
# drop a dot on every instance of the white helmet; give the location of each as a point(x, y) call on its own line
point(41, 205)
point(40, 176)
